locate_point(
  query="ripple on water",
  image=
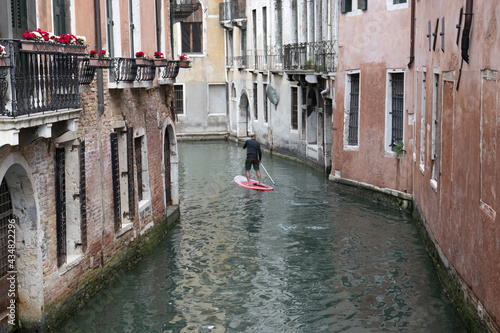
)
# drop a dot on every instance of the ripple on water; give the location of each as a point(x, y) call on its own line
point(307, 257)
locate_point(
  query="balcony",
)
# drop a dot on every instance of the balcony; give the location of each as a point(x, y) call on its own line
point(182, 9)
point(39, 90)
point(232, 13)
point(317, 57)
point(143, 70)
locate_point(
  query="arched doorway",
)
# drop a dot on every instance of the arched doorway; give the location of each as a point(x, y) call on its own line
point(244, 117)
point(312, 118)
point(18, 188)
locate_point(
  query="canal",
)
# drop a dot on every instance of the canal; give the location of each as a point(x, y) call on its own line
point(307, 257)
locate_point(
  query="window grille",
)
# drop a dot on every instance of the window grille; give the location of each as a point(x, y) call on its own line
point(295, 109)
point(166, 156)
point(83, 197)
point(61, 205)
point(265, 101)
point(115, 170)
point(255, 102)
point(138, 165)
point(179, 99)
point(397, 107)
point(354, 111)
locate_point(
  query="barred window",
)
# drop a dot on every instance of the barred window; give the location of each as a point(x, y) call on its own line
point(265, 104)
point(353, 110)
point(179, 98)
point(397, 108)
point(255, 102)
point(295, 109)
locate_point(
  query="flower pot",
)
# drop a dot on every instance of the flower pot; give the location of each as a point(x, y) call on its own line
point(3, 61)
point(28, 45)
point(184, 63)
point(142, 62)
point(160, 62)
point(100, 62)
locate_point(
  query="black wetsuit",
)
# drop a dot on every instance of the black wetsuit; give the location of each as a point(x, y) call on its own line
point(253, 150)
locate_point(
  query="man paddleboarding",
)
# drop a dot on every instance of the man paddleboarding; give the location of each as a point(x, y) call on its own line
point(254, 155)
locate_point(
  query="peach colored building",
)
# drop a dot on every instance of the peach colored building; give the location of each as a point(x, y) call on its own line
point(417, 117)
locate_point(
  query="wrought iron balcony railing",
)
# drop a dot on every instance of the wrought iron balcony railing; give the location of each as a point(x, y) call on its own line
point(169, 72)
point(232, 10)
point(317, 57)
point(37, 77)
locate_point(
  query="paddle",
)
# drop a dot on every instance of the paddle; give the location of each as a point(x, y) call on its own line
point(262, 165)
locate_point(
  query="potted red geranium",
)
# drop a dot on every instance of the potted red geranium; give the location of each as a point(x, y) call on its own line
point(141, 59)
point(159, 59)
point(184, 61)
point(99, 59)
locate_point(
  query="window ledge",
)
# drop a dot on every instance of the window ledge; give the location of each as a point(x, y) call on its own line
point(72, 261)
point(422, 168)
point(351, 148)
point(434, 184)
point(124, 229)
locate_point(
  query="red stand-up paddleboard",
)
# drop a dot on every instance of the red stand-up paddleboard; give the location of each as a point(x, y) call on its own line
point(243, 182)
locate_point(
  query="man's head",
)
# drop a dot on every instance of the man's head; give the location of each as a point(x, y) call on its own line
point(253, 136)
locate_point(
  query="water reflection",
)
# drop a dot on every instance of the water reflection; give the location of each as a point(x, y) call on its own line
point(307, 257)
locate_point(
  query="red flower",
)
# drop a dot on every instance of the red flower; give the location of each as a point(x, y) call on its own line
point(158, 55)
point(139, 54)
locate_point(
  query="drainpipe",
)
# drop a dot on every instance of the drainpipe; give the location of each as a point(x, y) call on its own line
point(466, 31)
point(412, 34)
point(100, 81)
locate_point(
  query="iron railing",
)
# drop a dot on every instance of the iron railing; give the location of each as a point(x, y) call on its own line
point(124, 69)
point(232, 10)
point(85, 72)
point(317, 56)
point(169, 72)
point(39, 77)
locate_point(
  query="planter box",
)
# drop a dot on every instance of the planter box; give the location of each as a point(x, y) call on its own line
point(185, 63)
point(160, 62)
point(142, 62)
point(28, 45)
point(100, 63)
point(3, 61)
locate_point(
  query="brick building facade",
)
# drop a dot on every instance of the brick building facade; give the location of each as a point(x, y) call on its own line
point(88, 155)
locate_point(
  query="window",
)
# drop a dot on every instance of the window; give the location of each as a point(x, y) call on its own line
point(255, 102)
point(70, 194)
point(138, 166)
point(119, 168)
point(254, 31)
point(109, 28)
point(179, 98)
point(435, 113)
point(19, 17)
point(142, 169)
point(192, 33)
point(396, 4)
point(243, 47)
point(265, 104)
point(353, 109)
point(59, 17)
point(422, 123)
point(304, 112)
point(264, 29)
point(347, 6)
point(397, 107)
point(295, 109)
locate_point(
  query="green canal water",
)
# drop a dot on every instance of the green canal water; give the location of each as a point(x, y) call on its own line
point(307, 257)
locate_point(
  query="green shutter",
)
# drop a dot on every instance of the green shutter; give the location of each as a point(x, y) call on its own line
point(19, 17)
point(363, 4)
point(59, 13)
